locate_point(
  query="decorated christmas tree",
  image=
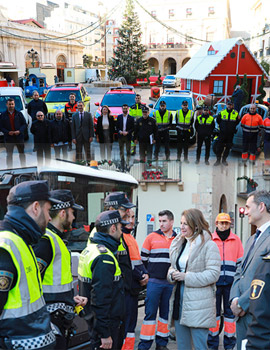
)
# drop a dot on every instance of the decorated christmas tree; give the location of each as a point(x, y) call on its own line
point(261, 90)
point(128, 60)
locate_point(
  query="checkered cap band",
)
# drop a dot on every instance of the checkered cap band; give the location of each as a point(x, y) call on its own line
point(109, 222)
point(112, 203)
point(63, 205)
point(34, 343)
point(59, 306)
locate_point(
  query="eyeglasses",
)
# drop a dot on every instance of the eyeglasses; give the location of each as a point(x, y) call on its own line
point(40, 115)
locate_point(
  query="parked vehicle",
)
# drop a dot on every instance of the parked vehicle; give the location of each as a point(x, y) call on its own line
point(92, 75)
point(20, 105)
point(171, 81)
point(37, 82)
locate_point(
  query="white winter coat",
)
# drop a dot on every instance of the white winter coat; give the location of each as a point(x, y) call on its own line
point(202, 272)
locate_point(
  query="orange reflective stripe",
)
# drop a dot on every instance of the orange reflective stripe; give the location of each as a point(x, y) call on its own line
point(133, 248)
point(129, 342)
point(215, 330)
point(162, 326)
point(229, 327)
point(267, 162)
point(244, 156)
point(148, 329)
point(252, 157)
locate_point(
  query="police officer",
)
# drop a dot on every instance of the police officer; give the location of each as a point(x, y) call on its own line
point(184, 121)
point(164, 122)
point(24, 319)
point(54, 263)
point(204, 126)
point(146, 134)
point(227, 120)
point(101, 281)
point(258, 332)
point(136, 112)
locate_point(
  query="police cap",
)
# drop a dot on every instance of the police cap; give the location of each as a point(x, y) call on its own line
point(229, 102)
point(145, 109)
point(109, 217)
point(162, 103)
point(30, 191)
point(118, 199)
point(205, 108)
point(185, 103)
point(66, 197)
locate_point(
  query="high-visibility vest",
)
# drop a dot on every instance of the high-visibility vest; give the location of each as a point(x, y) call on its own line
point(165, 120)
point(225, 115)
point(135, 111)
point(24, 320)
point(208, 120)
point(184, 121)
point(58, 277)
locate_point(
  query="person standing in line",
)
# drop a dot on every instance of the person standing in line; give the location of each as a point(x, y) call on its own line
point(136, 112)
point(100, 280)
point(237, 97)
point(36, 105)
point(60, 134)
point(41, 130)
point(54, 261)
point(125, 129)
point(231, 252)
point(204, 126)
point(195, 268)
point(257, 246)
point(155, 256)
point(251, 123)
point(105, 132)
point(184, 122)
point(13, 125)
point(24, 319)
point(71, 107)
point(82, 129)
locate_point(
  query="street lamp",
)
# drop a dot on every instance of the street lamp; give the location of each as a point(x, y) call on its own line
point(85, 60)
point(33, 55)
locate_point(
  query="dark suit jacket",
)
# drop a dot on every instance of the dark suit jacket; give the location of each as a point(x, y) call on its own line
point(129, 126)
point(244, 277)
point(99, 128)
point(84, 131)
point(5, 127)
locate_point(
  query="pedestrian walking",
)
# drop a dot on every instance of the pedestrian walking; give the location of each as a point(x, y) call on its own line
point(237, 97)
point(71, 107)
point(13, 125)
point(56, 79)
point(184, 123)
point(146, 135)
point(42, 138)
point(204, 126)
point(227, 120)
point(24, 319)
point(155, 256)
point(82, 129)
point(251, 123)
point(231, 252)
point(164, 122)
point(257, 246)
point(100, 280)
point(125, 129)
point(105, 131)
point(54, 261)
point(60, 134)
point(195, 267)
point(136, 112)
point(36, 105)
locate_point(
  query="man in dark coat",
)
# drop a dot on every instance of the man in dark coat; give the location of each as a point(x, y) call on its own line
point(13, 124)
point(237, 97)
point(36, 105)
point(60, 134)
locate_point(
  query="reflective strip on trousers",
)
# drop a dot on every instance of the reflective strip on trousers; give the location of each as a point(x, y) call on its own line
point(229, 327)
point(244, 156)
point(129, 342)
point(148, 330)
point(34, 343)
point(215, 330)
point(252, 157)
point(162, 328)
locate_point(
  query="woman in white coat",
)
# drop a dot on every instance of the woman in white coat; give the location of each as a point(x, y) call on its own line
point(195, 267)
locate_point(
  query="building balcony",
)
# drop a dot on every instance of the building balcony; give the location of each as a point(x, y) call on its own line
point(163, 46)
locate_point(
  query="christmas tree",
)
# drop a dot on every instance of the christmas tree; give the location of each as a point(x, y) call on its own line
point(261, 90)
point(128, 61)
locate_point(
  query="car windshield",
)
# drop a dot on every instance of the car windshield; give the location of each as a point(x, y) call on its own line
point(3, 102)
point(173, 103)
point(61, 96)
point(117, 100)
point(171, 77)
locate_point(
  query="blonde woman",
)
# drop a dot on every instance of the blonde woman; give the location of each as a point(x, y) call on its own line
point(195, 267)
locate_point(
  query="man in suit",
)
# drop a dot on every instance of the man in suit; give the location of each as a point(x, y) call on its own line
point(82, 129)
point(257, 246)
point(13, 125)
point(125, 128)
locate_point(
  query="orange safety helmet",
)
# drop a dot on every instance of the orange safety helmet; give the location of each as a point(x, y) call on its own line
point(223, 217)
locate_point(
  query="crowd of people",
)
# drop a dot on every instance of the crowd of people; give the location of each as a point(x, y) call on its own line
point(189, 277)
point(133, 126)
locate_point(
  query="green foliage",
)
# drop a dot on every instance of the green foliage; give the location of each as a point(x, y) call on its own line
point(266, 65)
point(87, 61)
point(237, 81)
point(244, 87)
point(261, 90)
point(128, 59)
point(159, 81)
point(148, 76)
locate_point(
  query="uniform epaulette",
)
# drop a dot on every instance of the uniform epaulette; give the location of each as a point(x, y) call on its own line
point(102, 248)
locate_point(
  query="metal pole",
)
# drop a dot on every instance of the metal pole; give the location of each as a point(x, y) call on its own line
point(241, 229)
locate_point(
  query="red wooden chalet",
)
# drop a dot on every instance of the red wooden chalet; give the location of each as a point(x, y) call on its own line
point(214, 67)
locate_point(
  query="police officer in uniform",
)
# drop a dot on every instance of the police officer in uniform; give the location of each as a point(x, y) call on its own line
point(24, 319)
point(101, 281)
point(227, 120)
point(136, 112)
point(54, 261)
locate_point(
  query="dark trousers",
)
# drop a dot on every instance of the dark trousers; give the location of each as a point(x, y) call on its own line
point(182, 143)
point(224, 145)
point(79, 146)
point(116, 334)
point(145, 149)
point(266, 149)
point(250, 142)
point(43, 152)
point(124, 141)
point(163, 137)
point(57, 151)
point(207, 142)
point(10, 149)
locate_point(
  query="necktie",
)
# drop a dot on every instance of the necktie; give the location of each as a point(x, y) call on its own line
point(251, 248)
point(81, 118)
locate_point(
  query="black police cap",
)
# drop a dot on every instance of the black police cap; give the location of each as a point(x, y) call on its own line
point(109, 217)
point(162, 103)
point(66, 197)
point(229, 102)
point(185, 103)
point(118, 199)
point(145, 109)
point(30, 191)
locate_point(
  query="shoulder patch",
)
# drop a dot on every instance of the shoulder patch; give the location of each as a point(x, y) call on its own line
point(6, 279)
point(256, 289)
point(41, 265)
point(102, 248)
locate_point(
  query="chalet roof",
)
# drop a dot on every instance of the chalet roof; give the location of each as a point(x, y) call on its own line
point(204, 62)
point(30, 21)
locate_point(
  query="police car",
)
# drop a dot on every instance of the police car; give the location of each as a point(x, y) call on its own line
point(174, 99)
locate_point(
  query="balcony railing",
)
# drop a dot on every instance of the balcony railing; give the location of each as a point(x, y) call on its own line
point(152, 46)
